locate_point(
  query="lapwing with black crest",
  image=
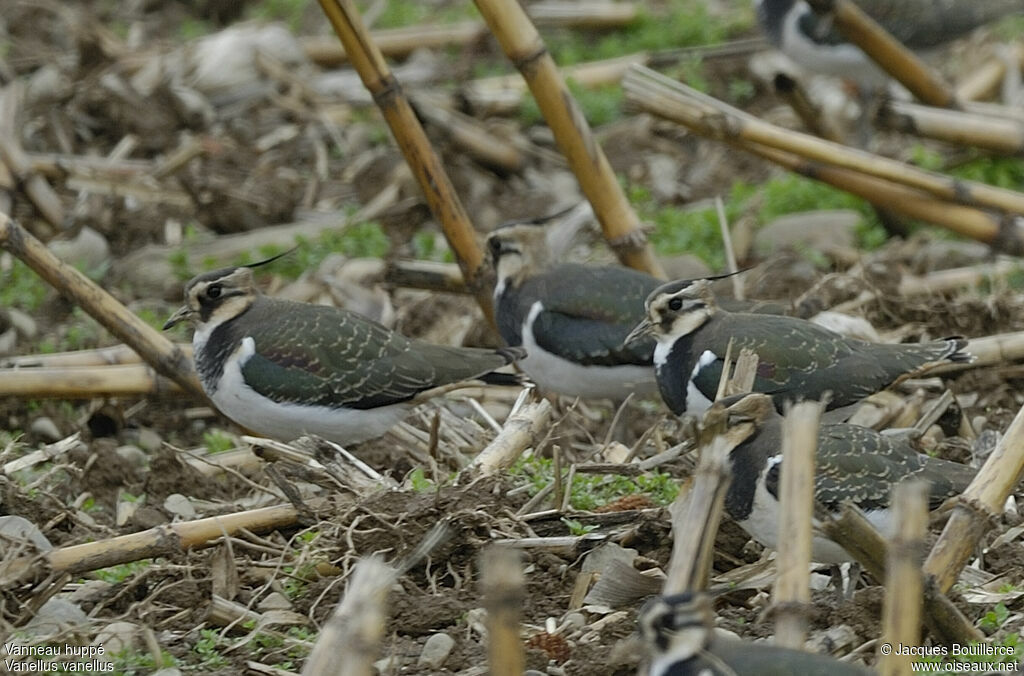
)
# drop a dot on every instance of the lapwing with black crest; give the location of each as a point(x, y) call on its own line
point(284, 369)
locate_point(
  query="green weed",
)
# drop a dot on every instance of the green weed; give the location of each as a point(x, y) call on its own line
point(217, 441)
point(22, 288)
point(590, 491)
point(122, 572)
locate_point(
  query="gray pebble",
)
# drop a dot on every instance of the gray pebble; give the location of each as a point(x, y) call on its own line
point(179, 505)
point(57, 616)
point(436, 651)
point(45, 429)
point(132, 455)
point(20, 528)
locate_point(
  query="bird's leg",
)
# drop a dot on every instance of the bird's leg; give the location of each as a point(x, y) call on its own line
point(845, 578)
point(836, 581)
point(869, 100)
point(855, 574)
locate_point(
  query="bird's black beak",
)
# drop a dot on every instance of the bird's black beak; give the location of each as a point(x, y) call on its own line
point(641, 330)
point(184, 313)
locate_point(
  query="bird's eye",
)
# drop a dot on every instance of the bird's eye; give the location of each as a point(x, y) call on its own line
point(494, 245)
point(676, 304)
point(213, 291)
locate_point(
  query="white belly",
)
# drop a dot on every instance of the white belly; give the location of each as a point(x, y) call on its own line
point(763, 526)
point(286, 422)
point(555, 374)
point(843, 60)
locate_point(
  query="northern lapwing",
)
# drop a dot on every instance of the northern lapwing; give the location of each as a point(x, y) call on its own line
point(283, 369)
point(853, 464)
point(573, 318)
point(797, 359)
point(679, 630)
point(813, 42)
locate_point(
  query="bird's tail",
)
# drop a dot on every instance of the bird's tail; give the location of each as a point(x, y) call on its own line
point(510, 355)
point(941, 352)
point(504, 379)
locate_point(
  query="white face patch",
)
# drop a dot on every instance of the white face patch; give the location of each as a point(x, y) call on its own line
point(687, 323)
point(556, 374)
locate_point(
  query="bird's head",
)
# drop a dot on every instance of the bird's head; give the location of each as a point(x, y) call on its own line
point(676, 309)
point(215, 297)
point(676, 626)
point(517, 249)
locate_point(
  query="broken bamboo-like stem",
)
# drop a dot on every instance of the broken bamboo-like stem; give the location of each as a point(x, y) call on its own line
point(100, 356)
point(984, 81)
point(167, 539)
point(350, 640)
point(909, 202)
point(85, 382)
point(998, 134)
point(885, 50)
point(470, 135)
point(950, 279)
point(412, 140)
point(504, 588)
point(520, 431)
point(967, 221)
point(901, 612)
point(708, 116)
point(792, 590)
point(157, 350)
point(696, 514)
point(743, 375)
point(426, 275)
point(978, 506)
point(525, 48)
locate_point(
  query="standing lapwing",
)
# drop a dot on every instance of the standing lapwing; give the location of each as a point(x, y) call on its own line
point(284, 369)
point(797, 359)
point(812, 42)
point(853, 464)
point(573, 318)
